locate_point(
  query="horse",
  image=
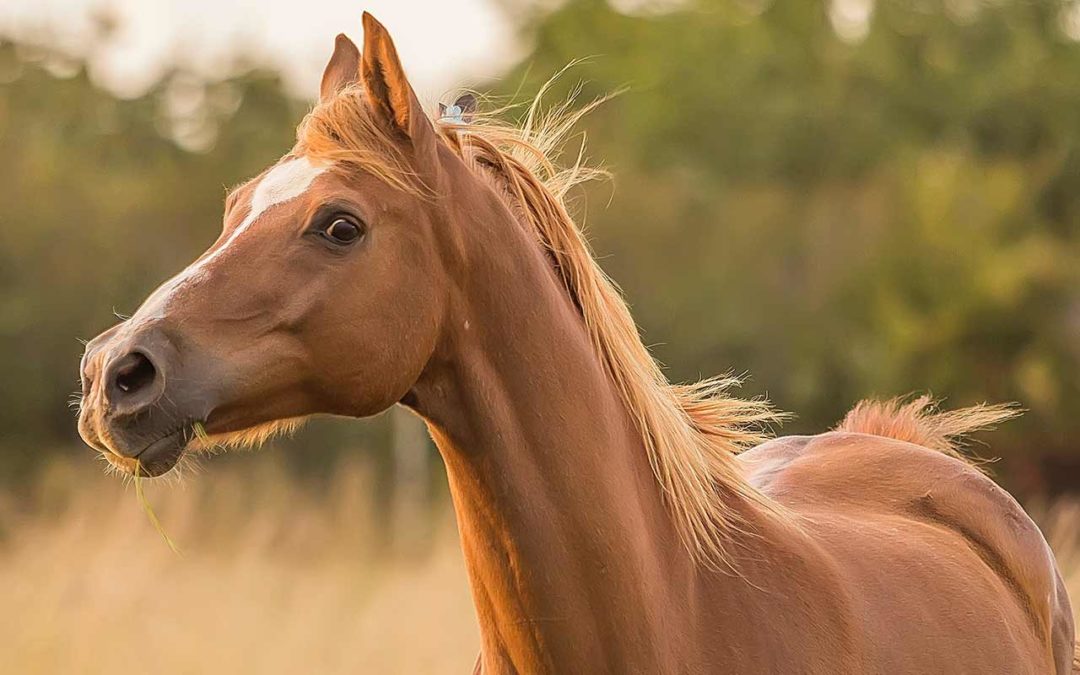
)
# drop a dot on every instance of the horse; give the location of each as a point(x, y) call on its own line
point(608, 521)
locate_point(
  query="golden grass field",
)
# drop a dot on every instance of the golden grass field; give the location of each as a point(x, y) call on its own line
point(272, 578)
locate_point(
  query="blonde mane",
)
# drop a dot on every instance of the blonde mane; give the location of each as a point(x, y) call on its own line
point(920, 422)
point(691, 432)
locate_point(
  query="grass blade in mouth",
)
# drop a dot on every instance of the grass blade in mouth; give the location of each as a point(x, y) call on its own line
point(141, 496)
point(200, 432)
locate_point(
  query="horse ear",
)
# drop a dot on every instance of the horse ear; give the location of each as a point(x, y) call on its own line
point(388, 90)
point(343, 68)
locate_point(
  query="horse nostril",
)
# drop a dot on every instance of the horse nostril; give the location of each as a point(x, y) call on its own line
point(133, 373)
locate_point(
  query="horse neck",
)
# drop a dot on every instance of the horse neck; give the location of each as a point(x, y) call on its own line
point(570, 551)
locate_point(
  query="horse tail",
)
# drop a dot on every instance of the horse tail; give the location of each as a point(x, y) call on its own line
point(919, 421)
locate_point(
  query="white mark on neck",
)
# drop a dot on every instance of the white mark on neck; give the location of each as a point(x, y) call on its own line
point(285, 182)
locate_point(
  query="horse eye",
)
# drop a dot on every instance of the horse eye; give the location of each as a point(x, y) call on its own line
point(342, 231)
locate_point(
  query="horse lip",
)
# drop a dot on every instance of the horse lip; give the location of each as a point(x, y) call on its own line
point(160, 456)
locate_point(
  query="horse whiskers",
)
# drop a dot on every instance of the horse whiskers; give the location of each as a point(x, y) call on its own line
point(250, 438)
point(189, 464)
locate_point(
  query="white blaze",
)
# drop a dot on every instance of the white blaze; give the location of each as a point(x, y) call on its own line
point(283, 183)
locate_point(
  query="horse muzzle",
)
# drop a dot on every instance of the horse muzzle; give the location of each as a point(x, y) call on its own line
point(134, 407)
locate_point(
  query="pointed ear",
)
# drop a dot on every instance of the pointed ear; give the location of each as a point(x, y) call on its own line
point(343, 68)
point(388, 90)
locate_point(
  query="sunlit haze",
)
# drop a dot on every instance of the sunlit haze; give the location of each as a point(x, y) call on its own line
point(442, 44)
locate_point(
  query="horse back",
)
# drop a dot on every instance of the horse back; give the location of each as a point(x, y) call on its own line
point(930, 548)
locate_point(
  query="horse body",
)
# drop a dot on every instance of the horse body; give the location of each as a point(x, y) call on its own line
point(908, 527)
point(607, 523)
point(575, 564)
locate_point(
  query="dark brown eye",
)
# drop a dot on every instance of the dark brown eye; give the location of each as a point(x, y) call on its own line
point(342, 231)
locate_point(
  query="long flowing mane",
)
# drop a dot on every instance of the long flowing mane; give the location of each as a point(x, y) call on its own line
point(691, 432)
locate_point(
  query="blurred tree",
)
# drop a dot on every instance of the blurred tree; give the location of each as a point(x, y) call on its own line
point(100, 200)
point(845, 198)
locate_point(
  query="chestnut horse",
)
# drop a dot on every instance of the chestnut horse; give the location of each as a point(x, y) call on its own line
point(607, 523)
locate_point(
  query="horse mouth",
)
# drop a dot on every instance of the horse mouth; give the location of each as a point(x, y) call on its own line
point(157, 458)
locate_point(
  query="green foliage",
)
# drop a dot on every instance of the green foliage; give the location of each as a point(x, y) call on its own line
point(98, 205)
point(894, 211)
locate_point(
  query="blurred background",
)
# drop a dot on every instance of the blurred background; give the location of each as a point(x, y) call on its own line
point(840, 198)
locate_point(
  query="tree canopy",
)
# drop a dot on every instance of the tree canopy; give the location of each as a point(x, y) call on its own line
point(840, 199)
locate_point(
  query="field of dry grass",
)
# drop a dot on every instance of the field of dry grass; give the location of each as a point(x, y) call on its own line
point(272, 578)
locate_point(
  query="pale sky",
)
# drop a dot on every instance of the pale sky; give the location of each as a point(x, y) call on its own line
point(443, 43)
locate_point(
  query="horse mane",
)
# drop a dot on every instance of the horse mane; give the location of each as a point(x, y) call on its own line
point(691, 432)
point(920, 422)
